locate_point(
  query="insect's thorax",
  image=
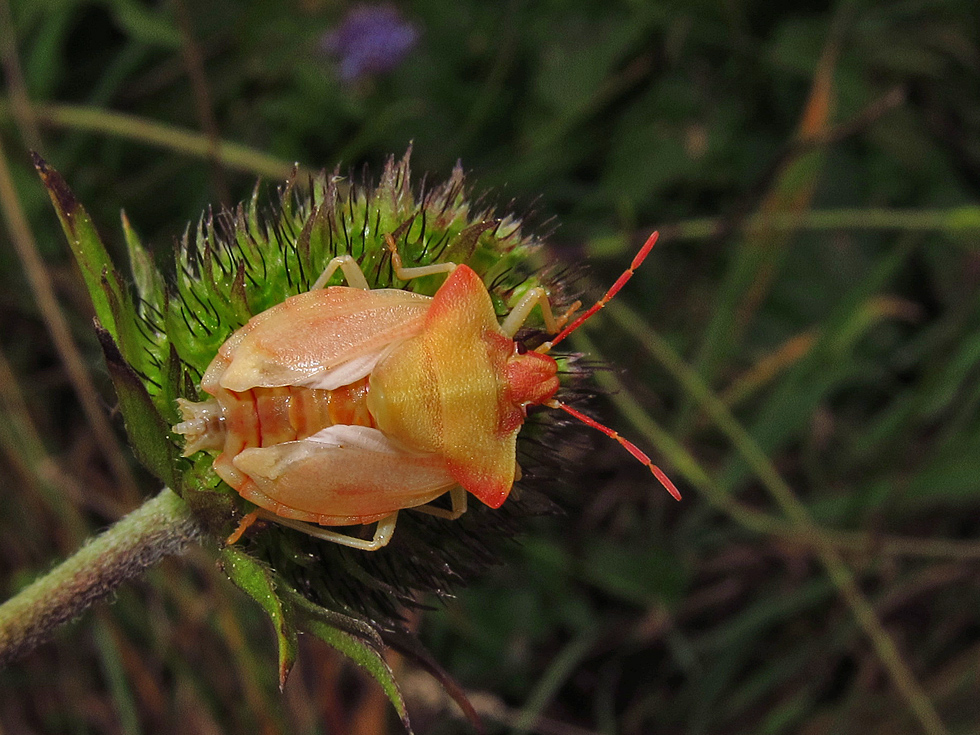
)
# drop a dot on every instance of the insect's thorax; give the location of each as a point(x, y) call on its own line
point(458, 390)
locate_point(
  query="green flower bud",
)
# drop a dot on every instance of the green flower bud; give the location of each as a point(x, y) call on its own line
point(235, 264)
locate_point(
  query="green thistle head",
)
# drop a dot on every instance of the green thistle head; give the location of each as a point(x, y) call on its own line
point(238, 263)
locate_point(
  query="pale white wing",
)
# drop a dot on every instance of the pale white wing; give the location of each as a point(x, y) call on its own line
point(300, 340)
point(346, 373)
point(342, 475)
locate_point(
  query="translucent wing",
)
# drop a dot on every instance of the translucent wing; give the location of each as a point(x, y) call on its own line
point(319, 339)
point(343, 475)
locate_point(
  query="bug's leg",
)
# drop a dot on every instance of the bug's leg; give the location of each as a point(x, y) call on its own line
point(243, 526)
point(349, 267)
point(406, 274)
point(536, 297)
point(382, 533)
point(515, 491)
point(458, 497)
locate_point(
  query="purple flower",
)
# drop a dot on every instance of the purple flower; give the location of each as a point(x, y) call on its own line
point(372, 39)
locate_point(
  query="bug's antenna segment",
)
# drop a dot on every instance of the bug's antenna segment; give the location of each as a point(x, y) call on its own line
point(626, 443)
point(620, 282)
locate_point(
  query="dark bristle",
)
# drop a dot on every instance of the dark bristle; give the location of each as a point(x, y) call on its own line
point(190, 329)
point(331, 241)
point(422, 228)
point(347, 243)
point(378, 268)
point(145, 329)
point(246, 255)
point(248, 264)
point(365, 229)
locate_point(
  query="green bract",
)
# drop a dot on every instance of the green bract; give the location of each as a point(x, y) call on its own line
point(233, 265)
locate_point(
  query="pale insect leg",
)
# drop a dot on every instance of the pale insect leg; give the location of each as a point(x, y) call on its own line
point(351, 270)
point(406, 274)
point(536, 297)
point(243, 526)
point(458, 497)
point(382, 533)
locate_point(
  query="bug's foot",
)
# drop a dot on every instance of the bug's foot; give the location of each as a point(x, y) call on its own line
point(243, 526)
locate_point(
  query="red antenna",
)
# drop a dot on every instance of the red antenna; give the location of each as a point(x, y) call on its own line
point(620, 282)
point(627, 445)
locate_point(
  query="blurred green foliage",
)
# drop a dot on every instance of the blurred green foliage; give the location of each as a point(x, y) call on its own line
point(799, 353)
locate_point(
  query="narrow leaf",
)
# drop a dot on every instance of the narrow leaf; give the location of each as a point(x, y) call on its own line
point(258, 582)
point(356, 640)
point(409, 645)
point(365, 655)
point(92, 257)
point(825, 366)
point(148, 433)
point(132, 343)
point(334, 619)
point(149, 282)
point(761, 252)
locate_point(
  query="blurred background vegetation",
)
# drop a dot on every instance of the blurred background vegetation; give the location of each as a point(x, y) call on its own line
point(799, 353)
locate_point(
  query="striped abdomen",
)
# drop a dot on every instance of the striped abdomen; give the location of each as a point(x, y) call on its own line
point(261, 417)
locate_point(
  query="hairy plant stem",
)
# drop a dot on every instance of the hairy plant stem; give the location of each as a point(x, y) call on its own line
point(159, 528)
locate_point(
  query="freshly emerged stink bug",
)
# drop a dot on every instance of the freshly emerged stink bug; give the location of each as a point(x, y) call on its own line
point(343, 405)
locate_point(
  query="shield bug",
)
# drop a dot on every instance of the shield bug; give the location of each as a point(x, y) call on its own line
point(343, 405)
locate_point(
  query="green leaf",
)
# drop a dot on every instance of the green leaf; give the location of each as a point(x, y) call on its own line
point(828, 364)
point(258, 582)
point(92, 257)
point(760, 255)
point(362, 645)
point(150, 284)
point(145, 25)
point(947, 479)
point(358, 651)
point(345, 623)
point(131, 342)
point(148, 433)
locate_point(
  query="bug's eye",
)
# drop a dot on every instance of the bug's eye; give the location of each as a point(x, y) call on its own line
point(521, 348)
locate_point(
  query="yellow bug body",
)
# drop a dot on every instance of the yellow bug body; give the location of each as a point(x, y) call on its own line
point(344, 405)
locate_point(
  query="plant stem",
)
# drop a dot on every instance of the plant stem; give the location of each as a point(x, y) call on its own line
point(161, 527)
point(954, 220)
point(150, 132)
point(797, 514)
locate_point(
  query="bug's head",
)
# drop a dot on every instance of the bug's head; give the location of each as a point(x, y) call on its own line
point(532, 378)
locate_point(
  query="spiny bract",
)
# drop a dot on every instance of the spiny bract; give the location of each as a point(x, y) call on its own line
point(237, 263)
